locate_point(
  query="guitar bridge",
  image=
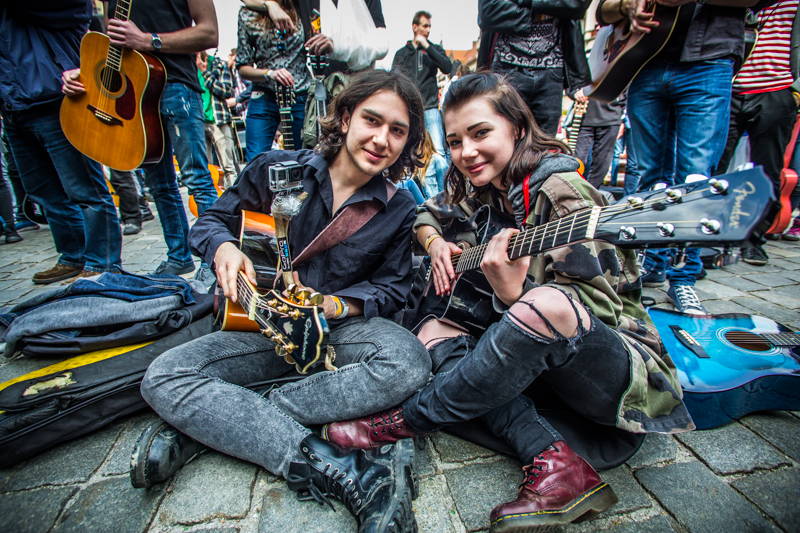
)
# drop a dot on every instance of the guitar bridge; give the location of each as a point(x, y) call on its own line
point(104, 117)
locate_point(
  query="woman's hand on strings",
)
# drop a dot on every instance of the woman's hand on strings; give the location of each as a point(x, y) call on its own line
point(229, 261)
point(443, 273)
point(506, 277)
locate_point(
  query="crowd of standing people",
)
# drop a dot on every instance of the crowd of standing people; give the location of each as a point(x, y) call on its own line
point(425, 163)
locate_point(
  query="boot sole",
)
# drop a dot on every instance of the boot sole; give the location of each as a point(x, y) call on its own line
point(402, 519)
point(585, 507)
point(139, 476)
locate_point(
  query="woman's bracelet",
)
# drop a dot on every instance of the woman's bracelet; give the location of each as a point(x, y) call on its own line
point(268, 74)
point(432, 237)
point(338, 307)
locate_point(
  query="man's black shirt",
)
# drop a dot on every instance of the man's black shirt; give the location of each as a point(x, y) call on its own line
point(372, 265)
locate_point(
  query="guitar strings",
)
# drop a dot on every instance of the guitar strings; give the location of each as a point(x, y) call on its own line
point(578, 223)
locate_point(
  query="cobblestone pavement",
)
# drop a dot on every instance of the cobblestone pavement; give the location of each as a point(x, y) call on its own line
point(744, 476)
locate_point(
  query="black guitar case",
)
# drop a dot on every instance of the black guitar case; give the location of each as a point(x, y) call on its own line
point(80, 394)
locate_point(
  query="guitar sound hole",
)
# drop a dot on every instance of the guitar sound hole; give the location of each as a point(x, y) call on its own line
point(111, 80)
point(747, 341)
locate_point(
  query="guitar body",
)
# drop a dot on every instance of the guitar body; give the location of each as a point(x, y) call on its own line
point(469, 304)
point(117, 121)
point(738, 376)
point(788, 183)
point(618, 54)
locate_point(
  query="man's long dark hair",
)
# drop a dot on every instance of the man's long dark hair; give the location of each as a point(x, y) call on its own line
point(362, 87)
point(529, 148)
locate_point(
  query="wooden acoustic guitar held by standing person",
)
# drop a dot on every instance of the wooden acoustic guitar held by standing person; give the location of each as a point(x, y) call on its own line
point(618, 54)
point(116, 121)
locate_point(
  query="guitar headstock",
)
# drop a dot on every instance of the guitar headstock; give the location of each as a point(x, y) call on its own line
point(317, 63)
point(722, 211)
point(285, 96)
point(296, 324)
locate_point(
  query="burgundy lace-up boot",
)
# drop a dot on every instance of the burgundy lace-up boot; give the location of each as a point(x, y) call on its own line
point(559, 487)
point(386, 427)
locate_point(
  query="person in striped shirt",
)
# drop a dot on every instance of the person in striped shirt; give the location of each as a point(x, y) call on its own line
point(763, 102)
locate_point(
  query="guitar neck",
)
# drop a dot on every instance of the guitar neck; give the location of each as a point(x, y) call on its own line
point(122, 13)
point(286, 128)
point(248, 299)
point(567, 230)
point(782, 340)
point(575, 129)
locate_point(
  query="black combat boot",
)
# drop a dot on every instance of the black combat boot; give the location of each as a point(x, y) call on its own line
point(377, 486)
point(159, 452)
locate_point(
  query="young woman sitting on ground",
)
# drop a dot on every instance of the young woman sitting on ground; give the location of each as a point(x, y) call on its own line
point(572, 317)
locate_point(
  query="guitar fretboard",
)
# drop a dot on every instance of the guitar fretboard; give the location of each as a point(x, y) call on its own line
point(782, 339)
point(123, 12)
point(286, 128)
point(566, 230)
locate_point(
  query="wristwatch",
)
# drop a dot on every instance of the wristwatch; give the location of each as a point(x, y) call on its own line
point(156, 42)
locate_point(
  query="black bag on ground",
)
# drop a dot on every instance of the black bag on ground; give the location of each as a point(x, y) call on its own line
point(80, 395)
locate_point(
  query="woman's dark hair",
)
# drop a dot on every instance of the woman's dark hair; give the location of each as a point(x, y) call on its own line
point(529, 148)
point(362, 87)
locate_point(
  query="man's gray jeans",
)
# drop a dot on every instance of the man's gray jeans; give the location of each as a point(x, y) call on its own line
point(200, 388)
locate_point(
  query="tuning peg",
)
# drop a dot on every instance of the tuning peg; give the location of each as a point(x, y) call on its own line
point(665, 229)
point(673, 195)
point(316, 298)
point(290, 347)
point(303, 294)
point(718, 186)
point(277, 338)
point(710, 226)
point(635, 201)
point(295, 314)
point(272, 303)
point(627, 232)
point(282, 308)
point(280, 350)
point(292, 288)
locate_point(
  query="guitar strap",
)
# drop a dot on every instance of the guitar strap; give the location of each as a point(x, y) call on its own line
point(349, 220)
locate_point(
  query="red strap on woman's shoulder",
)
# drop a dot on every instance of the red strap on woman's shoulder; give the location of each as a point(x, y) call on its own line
point(526, 189)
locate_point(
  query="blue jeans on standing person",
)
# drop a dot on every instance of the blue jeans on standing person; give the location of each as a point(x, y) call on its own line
point(184, 133)
point(697, 96)
point(264, 119)
point(433, 123)
point(199, 388)
point(70, 187)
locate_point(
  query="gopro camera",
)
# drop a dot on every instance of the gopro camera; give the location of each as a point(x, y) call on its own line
point(285, 176)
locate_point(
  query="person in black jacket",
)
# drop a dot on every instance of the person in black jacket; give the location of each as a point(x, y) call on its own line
point(538, 46)
point(419, 59)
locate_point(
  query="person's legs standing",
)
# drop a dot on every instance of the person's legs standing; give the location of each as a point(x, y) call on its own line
point(130, 213)
point(263, 118)
point(583, 146)
point(223, 141)
point(602, 153)
point(541, 89)
point(433, 123)
point(184, 107)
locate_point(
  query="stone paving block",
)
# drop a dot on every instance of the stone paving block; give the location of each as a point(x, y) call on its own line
point(432, 508)
point(656, 448)
point(732, 448)
point(718, 307)
point(630, 493)
point(761, 307)
point(657, 524)
point(478, 488)
point(746, 284)
point(769, 491)
point(717, 273)
point(71, 462)
point(657, 294)
point(792, 290)
point(32, 511)
point(424, 460)
point(212, 486)
point(453, 449)
point(720, 290)
point(780, 297)
point(111, 506)
point(282, 512)
point(14, 295)
point(769, 280)
point(699, 500)
point(779, 428)
point(742, 269)
point(793, 275)
point(782, 263)
point(132, 427)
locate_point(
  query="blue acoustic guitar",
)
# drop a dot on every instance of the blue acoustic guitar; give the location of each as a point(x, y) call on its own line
point(731, 365)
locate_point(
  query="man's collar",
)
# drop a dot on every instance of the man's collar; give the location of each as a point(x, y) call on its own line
point(374, 188)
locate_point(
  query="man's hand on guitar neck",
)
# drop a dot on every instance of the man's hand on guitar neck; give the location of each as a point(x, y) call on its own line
point(229, 261)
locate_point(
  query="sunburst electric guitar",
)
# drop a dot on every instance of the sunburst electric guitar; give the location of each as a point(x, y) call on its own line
point(116, 121)
point(295, 323)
